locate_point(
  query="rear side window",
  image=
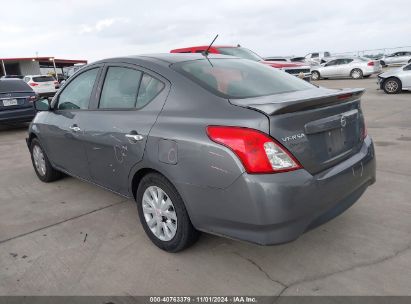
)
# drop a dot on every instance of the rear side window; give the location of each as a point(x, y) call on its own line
point(14, 85)
point(76, 95)
point(150, 87)
point(238, 78)
point(43, 79)
point(315, 55)
point(327, 54)
point(120, 88)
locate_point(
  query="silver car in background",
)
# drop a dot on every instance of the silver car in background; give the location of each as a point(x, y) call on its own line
point(397, 58)
point(354, 67)
point(396, 80)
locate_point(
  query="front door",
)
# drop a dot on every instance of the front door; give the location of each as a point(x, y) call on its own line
point(63, 134)
point(118, 126)
point(330, 69)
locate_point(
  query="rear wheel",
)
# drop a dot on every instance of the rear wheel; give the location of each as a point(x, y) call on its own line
point(163, 214)
point(42, 166)
point(356, 74)
point(392, 86)
point(315, 75)
point(382, 62)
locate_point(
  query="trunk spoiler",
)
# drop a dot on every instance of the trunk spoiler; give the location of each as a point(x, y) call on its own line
point(299, 100)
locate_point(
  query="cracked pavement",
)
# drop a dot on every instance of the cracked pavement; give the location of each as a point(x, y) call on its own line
point(73, 238)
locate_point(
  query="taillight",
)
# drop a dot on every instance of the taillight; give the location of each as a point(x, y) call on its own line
point(31, 98)
point(258, 152)
point(371, 63)
point(33, 84)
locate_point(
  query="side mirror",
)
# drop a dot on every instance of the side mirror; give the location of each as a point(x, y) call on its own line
point(42, 104)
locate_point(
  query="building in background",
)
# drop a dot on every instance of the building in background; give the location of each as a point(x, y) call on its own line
point(36, 65)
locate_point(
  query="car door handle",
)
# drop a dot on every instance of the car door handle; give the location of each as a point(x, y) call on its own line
point(135, 137)
point(75, 128)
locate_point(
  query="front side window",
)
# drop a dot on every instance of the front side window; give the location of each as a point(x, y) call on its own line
point(238, 78)
point(315, 55)
point(407, 68)
point(331, 63)
point(120, 88)
point(76, 95)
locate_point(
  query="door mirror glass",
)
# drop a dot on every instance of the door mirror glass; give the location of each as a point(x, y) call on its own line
point(42, 104)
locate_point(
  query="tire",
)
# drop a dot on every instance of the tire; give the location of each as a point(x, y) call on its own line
point(315, 75)
point(41, 164)
point(382, 62)
point(356, 74)
point(366, 76)
point(392, 86)
point(170, 229)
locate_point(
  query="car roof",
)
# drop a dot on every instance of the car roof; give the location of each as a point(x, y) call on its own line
point(167, 58)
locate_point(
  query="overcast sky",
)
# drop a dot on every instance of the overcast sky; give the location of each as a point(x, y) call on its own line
point(96, 29)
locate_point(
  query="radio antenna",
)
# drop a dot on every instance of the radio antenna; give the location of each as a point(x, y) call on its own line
point(206, 52)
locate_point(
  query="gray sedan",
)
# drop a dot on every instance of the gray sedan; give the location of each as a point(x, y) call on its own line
point(354, 67)
point(395, 80)
point(216, 144)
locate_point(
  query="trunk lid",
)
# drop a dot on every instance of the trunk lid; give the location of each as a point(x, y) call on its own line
point(320, 127)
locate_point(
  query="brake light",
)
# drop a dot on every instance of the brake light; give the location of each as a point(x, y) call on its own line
point(33, 84)
point(371, 63)
point(31, 98)
point(258, 152)
point(344, 96)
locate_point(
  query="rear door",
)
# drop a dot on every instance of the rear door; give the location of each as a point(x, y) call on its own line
point(63, 134)
point(117, 128)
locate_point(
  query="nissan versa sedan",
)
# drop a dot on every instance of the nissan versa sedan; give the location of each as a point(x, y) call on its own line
point(217, 144)
point(354, 67)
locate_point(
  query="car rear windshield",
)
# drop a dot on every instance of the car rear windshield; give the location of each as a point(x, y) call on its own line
point(239, 78)
point(43, 78)
point(13, 85)
point(239, 52)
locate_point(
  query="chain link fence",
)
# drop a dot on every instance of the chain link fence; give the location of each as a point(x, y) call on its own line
point(375, 53)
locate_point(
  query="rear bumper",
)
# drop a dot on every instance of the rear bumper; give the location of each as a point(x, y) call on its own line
point(17, 115)
point(278, 208)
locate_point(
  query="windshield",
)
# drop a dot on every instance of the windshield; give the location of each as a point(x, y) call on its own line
point(238, 78)
point(239, 52)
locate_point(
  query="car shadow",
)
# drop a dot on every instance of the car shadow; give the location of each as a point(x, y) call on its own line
point(13, 126)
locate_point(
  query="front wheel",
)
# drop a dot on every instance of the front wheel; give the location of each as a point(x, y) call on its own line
point(42, 166)
point(392, 86)
point(356, 74)
point(163, 214)
point(315, 75)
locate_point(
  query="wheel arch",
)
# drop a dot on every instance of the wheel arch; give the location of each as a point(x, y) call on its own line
point(392, 77)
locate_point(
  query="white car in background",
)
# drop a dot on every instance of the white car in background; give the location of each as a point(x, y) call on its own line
point(354, 67)
point(395, 80)
point(397, 58)
point(42, 85)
